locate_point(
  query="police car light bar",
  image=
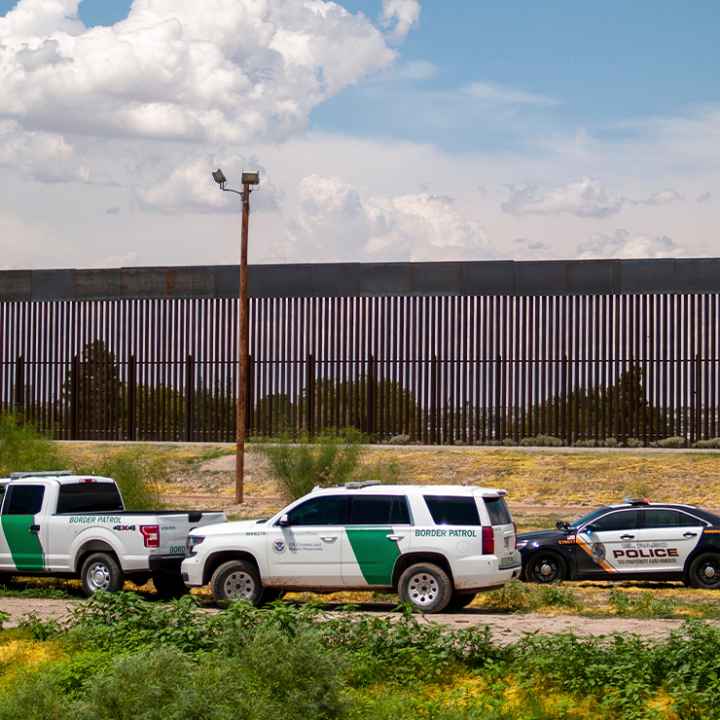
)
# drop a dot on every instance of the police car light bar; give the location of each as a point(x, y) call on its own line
point(637, 501)
point(362, 484)
point(55, 473)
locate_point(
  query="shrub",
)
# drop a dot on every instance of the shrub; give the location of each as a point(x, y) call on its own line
point(23, 449)
point(610, 442)
point(644, 605)
point(541, 441)
point(138, 473)
point(399, 440)
point(558, 596)
point(511, 597)
point(585, 443)
point(674, 442)
point(711, 444)
point(325, 461)
point(509, 442)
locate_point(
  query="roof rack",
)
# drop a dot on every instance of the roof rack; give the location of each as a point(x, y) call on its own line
point(361, 484)
point(636, 501)
point(50, 473)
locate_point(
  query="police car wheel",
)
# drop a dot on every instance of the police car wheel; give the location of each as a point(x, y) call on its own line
point(545, 568)
point(237, 580)
point(426, 587)
point(101, 572)
point(705, 571)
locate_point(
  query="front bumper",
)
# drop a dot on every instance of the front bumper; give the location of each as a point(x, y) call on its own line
point(192, 571)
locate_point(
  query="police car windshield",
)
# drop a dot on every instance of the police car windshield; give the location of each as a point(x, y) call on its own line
point(588, 518)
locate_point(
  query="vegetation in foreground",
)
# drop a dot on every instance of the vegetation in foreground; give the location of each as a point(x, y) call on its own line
point(121, 657)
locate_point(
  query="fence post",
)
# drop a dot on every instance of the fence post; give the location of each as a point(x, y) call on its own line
point(249, 404)
point(310, 409)
point(498, 398)
point(132, 399)
point(371, 392)
point(189, 397)
point(20, 386)
point(75, 398)
point(566, 420)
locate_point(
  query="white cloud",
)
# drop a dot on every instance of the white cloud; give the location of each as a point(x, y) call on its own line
point(503, 95)
point(399, 16)
point(337, 222)
point(585, 198)
point(624, 244)
point(45, 157)
point(704, 197)
point(417, 70)
point(190, 188)
point(218, 70)
point(664, 197)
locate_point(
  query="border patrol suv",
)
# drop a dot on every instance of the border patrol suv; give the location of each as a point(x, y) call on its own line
point(436, 546)
point(631, 541)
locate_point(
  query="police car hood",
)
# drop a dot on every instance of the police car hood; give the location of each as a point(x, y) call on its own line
point(226, 528)
point(542, 536)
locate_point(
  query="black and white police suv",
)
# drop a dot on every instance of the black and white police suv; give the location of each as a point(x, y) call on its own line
point(634, 540)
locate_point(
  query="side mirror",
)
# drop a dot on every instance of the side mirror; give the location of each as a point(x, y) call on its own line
point(591, 528)
point(284, 521)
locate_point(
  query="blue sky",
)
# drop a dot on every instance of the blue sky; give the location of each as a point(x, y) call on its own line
point(490, 129)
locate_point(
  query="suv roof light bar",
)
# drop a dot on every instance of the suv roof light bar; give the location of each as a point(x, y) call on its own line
point(361, 484)
point(636, 501)
point(51, 473)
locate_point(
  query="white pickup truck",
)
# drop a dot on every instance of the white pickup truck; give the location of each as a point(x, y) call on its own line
point(436, 546)
point(66, 525)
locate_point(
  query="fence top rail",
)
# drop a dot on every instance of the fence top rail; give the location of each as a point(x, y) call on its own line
point(510, 278)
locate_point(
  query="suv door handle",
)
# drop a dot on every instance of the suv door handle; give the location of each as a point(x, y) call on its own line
point(329, 538)
point(689, 534)
point(627, 537)
point(396, 538)
point(34, 529)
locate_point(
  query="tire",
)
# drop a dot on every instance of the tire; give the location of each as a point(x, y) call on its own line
point(426, 587)
point(101, 572)
point(704, 572)
point(237, 580)
point(545, 568)
point(458, 601)
point(170, 586)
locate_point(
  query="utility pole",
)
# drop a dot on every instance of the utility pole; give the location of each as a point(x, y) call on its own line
point(249, 179)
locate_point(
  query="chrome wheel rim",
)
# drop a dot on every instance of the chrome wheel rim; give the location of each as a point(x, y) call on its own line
point(423, 590)
point(710, 573)
point(239, 585)
point(546, 570)
point(98, 576)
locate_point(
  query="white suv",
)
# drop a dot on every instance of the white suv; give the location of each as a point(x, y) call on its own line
point(437, 546)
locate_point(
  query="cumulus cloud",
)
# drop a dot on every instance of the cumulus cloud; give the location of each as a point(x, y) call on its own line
point(337, 222)
point(585, 198)
point(399, 16)
point(218, 70)
point(664, 197)
point(190, 188)
point(41, 156)
point(623, 244)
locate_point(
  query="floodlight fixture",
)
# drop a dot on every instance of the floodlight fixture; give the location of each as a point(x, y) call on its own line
point(251, 178)
point(219, 177)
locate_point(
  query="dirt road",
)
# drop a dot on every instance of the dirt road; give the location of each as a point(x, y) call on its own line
point(505, 628)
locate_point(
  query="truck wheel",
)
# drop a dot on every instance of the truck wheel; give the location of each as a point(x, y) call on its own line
point(169, 586)
point(704, 571)
point(237, 580)
point(426, 587)
point(458, 601)
point(545, 568)
point(101, 572)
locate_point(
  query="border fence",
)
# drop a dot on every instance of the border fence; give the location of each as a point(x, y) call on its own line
point(443, 353)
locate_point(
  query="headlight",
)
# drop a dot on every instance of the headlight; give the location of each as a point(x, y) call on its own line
point(521, 544)
point(192, 542)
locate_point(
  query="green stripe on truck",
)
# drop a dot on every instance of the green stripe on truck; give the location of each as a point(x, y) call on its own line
point(375, 553)
point(25, 547)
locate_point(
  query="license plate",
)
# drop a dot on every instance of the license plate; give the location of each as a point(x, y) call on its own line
point(507, 562)
point(507, 543)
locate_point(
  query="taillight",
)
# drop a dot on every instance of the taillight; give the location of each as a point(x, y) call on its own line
point(488, 541)
point(151, 535)
point(515, 531)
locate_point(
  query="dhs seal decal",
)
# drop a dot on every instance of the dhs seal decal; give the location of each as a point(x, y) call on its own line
point(279, 546)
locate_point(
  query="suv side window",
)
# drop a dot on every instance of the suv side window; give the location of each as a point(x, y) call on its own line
point(24, 500)
point(668, 518)
point(453, 510)
point(621, 520)
point(325, 510)
point(379, 510)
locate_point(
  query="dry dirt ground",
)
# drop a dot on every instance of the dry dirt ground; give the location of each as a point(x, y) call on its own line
point(505, 629)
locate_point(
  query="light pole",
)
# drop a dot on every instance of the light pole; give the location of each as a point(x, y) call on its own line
point(248, 180)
